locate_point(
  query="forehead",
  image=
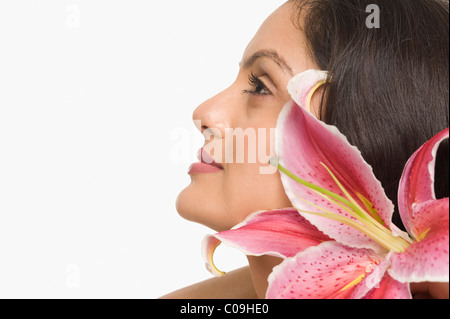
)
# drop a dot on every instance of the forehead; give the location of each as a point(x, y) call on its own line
point(278, 33)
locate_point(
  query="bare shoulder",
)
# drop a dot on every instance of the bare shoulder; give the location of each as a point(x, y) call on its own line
point(236, 284)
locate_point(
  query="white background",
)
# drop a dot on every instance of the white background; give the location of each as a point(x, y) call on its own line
point(96, 101)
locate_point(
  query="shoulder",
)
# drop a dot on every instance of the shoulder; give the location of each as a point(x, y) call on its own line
point(236, 284)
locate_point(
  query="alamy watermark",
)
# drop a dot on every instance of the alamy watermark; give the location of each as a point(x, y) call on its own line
point(229, 145)
point(373, 19)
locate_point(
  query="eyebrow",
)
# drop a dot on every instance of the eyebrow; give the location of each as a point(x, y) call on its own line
point(270, 54)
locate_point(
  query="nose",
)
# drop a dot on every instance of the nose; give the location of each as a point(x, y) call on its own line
point(214, 115)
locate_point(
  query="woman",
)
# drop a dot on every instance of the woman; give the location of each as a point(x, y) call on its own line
point(388, 95)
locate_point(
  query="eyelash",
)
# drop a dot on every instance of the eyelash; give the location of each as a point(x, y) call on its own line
point(254, 81)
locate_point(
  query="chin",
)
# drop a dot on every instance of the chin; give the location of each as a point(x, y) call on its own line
point(184, 205)
point(194, 205)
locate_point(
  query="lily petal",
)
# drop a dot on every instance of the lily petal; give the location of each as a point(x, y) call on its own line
point(372, 281)
point(281, 233)
point(302, 87)
point(417, 182)
point(389, 288)
point(430, 216)
point(379, 285)
point(428, 258)
point(304, 143)
point(209, 245)
point(329, 270)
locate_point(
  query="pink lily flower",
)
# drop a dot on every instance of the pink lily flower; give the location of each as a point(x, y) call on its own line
point(338, 240)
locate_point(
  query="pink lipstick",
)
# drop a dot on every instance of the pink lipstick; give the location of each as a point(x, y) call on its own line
point(206, 164)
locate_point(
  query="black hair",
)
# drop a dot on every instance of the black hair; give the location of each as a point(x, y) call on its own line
point(388, 86)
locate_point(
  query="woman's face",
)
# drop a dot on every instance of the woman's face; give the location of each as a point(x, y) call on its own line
point(235, 123)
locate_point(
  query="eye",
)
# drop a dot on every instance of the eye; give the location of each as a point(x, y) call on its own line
point(258, 86)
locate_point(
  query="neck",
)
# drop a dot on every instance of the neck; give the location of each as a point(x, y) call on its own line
point(260, 268)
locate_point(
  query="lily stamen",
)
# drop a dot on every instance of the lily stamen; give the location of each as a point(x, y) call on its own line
point(365, 221)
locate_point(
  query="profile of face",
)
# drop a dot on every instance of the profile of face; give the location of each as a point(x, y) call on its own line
point(223, 193)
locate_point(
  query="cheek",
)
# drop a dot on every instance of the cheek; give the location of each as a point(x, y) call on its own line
point(249, 191)
point(254, 185)
point(221, 201)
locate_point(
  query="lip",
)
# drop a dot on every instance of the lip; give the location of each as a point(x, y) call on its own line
point(204, 157)
point(203, 168)
point(206, 164)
